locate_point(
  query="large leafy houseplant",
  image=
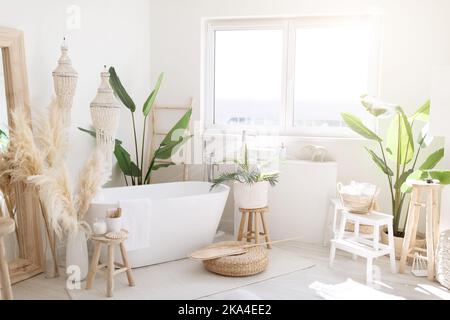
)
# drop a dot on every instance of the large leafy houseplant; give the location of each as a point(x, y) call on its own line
point(136, 171)
point(399, 151)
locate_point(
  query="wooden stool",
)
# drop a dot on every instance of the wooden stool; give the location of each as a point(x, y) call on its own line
point(110, 267)
point(432, 192)
point(7, 226)
point(358, 246)
point(253, 225)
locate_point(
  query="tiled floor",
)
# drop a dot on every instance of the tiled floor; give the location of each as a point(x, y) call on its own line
point(294, 285)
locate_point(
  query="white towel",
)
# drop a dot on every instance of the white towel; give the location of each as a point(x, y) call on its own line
point(350, 290)
point(137, 220)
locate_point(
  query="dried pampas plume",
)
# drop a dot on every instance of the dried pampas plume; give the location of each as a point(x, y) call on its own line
point(92, 177)
point(25, 158)
point(50, 136)
point(56, 194)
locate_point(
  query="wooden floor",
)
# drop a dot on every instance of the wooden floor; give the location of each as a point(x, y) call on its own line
point(290, 286)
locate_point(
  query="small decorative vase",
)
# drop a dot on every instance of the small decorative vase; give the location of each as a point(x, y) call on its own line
point(77, 251)
point(251, 196)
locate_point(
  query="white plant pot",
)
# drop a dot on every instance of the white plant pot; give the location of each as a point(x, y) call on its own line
point(251, 196)
point(77, 252)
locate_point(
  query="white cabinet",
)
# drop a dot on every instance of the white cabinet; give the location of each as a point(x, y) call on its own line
point(299, 202)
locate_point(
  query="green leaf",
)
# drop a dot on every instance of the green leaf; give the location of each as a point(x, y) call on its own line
point(442, 176)
point(151, 98)
point(165, 152)
point(424, 139)
point(380, 163)
point(128, 167)
point(120, 91)
point(399, 139)
point(178, 129)
point(432, 160)
point(416, 175)
point(356, 125)
point(423, 113)
point(402, 178)
point(162, 165)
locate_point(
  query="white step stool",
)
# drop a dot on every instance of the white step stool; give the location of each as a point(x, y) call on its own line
point(333, 219)
point(359, 246)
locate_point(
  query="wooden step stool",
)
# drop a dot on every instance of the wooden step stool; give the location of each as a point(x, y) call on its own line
point(358, 246)
point(432, 192)
point(7, 226)
point(110, 267)
point(253, 232)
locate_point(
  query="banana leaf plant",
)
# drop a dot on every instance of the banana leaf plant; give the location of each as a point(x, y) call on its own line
point(399, 151)
point(136, 171)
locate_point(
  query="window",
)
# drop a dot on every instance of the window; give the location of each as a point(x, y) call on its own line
point(292, 75)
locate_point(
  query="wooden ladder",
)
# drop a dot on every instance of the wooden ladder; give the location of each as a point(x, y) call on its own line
point(156, 135)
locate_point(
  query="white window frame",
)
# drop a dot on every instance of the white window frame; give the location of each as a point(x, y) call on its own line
point(288, 25)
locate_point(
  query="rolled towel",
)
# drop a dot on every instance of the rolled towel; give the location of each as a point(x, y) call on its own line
point(137, 221)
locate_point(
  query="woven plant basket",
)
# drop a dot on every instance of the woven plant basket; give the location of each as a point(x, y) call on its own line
point(254, 261)
point(443, 259)
point(357, 204)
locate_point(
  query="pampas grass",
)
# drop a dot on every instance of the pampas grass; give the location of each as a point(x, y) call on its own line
point(50, 135)
point(92, 177)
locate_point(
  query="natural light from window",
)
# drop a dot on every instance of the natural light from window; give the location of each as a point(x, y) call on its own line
point(331, 73)
point(248, 71)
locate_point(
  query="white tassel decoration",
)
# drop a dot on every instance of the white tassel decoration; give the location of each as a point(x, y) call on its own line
point(105, 112)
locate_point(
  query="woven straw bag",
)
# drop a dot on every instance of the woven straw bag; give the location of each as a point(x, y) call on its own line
point(357, 204)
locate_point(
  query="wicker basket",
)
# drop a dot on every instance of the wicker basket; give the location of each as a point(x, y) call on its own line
point(443, 259)
point(357, 204)
point(254, 261)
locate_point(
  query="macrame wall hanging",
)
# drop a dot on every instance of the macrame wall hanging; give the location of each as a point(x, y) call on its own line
point(65, 82)
point(105, 112)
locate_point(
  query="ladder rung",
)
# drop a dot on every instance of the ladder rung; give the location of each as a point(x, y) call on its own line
point(420, 204)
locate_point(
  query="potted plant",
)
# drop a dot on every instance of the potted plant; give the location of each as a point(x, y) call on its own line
point(138, 172)
point(251, 186)
point(399, 152)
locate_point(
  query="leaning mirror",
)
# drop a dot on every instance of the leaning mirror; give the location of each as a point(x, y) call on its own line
point(17, 201)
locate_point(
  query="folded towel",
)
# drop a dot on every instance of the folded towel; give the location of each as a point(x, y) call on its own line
point(350, 290)
point(137, 220)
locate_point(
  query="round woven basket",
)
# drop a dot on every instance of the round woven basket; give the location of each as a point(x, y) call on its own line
point(254, 261)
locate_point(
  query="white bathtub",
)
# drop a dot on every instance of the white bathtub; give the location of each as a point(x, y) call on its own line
point(185, 217)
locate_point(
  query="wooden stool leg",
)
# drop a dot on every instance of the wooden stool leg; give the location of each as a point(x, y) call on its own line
point(266, 230)
point(242, 226)
point(413, 209)
point(250, 226)
point(255, 217)
point(94, 264)
point(436, 216)
point(126, 264)
point(4, 273)
point(110, 273)
point(430, 236)
point(391, 247)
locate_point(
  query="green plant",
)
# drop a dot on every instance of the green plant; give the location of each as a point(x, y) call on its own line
point(246, 173)
point(399, 149)
point(172, 142)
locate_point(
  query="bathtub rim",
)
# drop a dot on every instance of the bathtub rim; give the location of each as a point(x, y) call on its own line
point(221, 188)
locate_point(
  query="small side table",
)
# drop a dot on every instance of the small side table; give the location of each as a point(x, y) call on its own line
point(369, 249)
point(110, 268)
point(253, 232)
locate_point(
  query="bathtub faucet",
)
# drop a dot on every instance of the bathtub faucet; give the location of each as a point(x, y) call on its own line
point(211, 167)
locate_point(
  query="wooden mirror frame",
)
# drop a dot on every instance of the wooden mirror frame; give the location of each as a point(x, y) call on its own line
point(31, 259)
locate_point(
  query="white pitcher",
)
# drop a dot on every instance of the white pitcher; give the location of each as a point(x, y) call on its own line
point(77, 251)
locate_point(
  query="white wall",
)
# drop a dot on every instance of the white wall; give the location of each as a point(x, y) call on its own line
point(112, 32)
point(407, 58)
